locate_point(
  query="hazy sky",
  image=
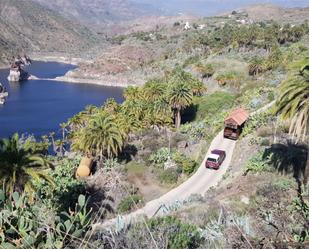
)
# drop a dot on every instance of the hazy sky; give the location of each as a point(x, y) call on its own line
point(212, 7)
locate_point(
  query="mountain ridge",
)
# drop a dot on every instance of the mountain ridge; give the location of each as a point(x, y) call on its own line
point(99, 11)
point(27, 26)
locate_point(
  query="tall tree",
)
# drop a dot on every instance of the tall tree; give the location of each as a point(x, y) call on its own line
point(132, 93)
point(180, 96)
point(153, 90)
point(101, 137)
point(293, 104)
point(21, 167)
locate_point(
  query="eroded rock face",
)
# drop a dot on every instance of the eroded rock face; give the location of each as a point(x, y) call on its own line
point(18, 75)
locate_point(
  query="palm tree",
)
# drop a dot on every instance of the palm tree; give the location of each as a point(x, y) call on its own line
point(293, 104)
point(127, 122)
point(21, 167)
point(197, 88)
point(80, 120)
point(153, 90)
point(180, 97)
point(207, 71)
point(111, 105)
point(102, 137)
point(132, 93)
point(274, 59)
point(256, 66)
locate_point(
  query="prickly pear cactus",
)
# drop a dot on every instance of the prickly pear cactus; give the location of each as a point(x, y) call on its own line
point(21, 228)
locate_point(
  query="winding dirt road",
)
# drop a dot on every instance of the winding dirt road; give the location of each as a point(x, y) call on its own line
point(199, 183)
point(202, 180)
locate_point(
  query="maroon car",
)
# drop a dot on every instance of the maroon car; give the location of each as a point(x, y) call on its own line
point(215, 159)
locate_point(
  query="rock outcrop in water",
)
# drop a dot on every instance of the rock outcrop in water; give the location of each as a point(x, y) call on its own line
point(17, 72)
point(3, 94)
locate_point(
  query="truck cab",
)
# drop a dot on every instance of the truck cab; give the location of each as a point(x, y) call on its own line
point(215, 159)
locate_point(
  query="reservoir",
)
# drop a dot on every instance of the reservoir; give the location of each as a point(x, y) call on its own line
point(38, 106)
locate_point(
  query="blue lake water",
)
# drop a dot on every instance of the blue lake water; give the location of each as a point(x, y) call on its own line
point(38, 106)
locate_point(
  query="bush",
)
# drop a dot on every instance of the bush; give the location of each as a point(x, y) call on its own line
point(196, 130)
point(264, 131)
point(179, 235)
point(186, 165)
point(67, 189)
point(129, 203)
point(258, 120)
point(160, 157)
point(169, 176)
point(206, 70)
point(265, 142)
point(28, 224)
point(257, 164)
point(190, 61)
point(284, 183)
point(209, 106)
point(230, 78)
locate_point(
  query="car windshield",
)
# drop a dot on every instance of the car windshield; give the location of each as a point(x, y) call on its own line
point(211, 159)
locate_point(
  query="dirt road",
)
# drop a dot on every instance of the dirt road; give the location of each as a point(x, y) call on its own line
point(199, 183)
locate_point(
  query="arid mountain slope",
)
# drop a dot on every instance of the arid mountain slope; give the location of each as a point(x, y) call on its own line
point(27, 26)
point(99, 11)
point(263, 12)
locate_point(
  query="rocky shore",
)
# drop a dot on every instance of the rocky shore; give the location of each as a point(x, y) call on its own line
point(102, 82)
point(76, 77)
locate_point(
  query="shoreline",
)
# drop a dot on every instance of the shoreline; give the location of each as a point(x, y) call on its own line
point(76, 61)
point(60, 59)
point(68, 79)
point(99, 82)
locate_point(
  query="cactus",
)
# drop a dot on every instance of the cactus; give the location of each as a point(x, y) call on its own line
point(20, 228)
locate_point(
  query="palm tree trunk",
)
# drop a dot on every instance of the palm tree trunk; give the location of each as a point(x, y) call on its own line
point(53, 143)
point(178, 118)
point(306, 175)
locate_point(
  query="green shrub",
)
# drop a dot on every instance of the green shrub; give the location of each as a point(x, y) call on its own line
point(28, 224)
point(196, 130)
point(207, 70)
point(256, 121)
point(190, 61)
point(257, 164)
point(209, 106)
point(160, 157)
point(265, 142)
point(231, 78)
point(141, 35)
point(67, 189)
point(169, 176)
point(129, 203)
point(271, 96)
point(179, 235)
point(284, 183)
point(264, 131)
point(186, 165)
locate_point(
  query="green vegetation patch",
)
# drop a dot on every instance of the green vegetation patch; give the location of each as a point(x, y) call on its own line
point(66, 189)
point(210, 105)
point(129, 203)
point(169, 176)
point(135, 168)
point(180, 235)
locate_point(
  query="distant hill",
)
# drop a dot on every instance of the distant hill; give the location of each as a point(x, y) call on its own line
point(27, 26)
point(263, 12)
point(100, 11)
